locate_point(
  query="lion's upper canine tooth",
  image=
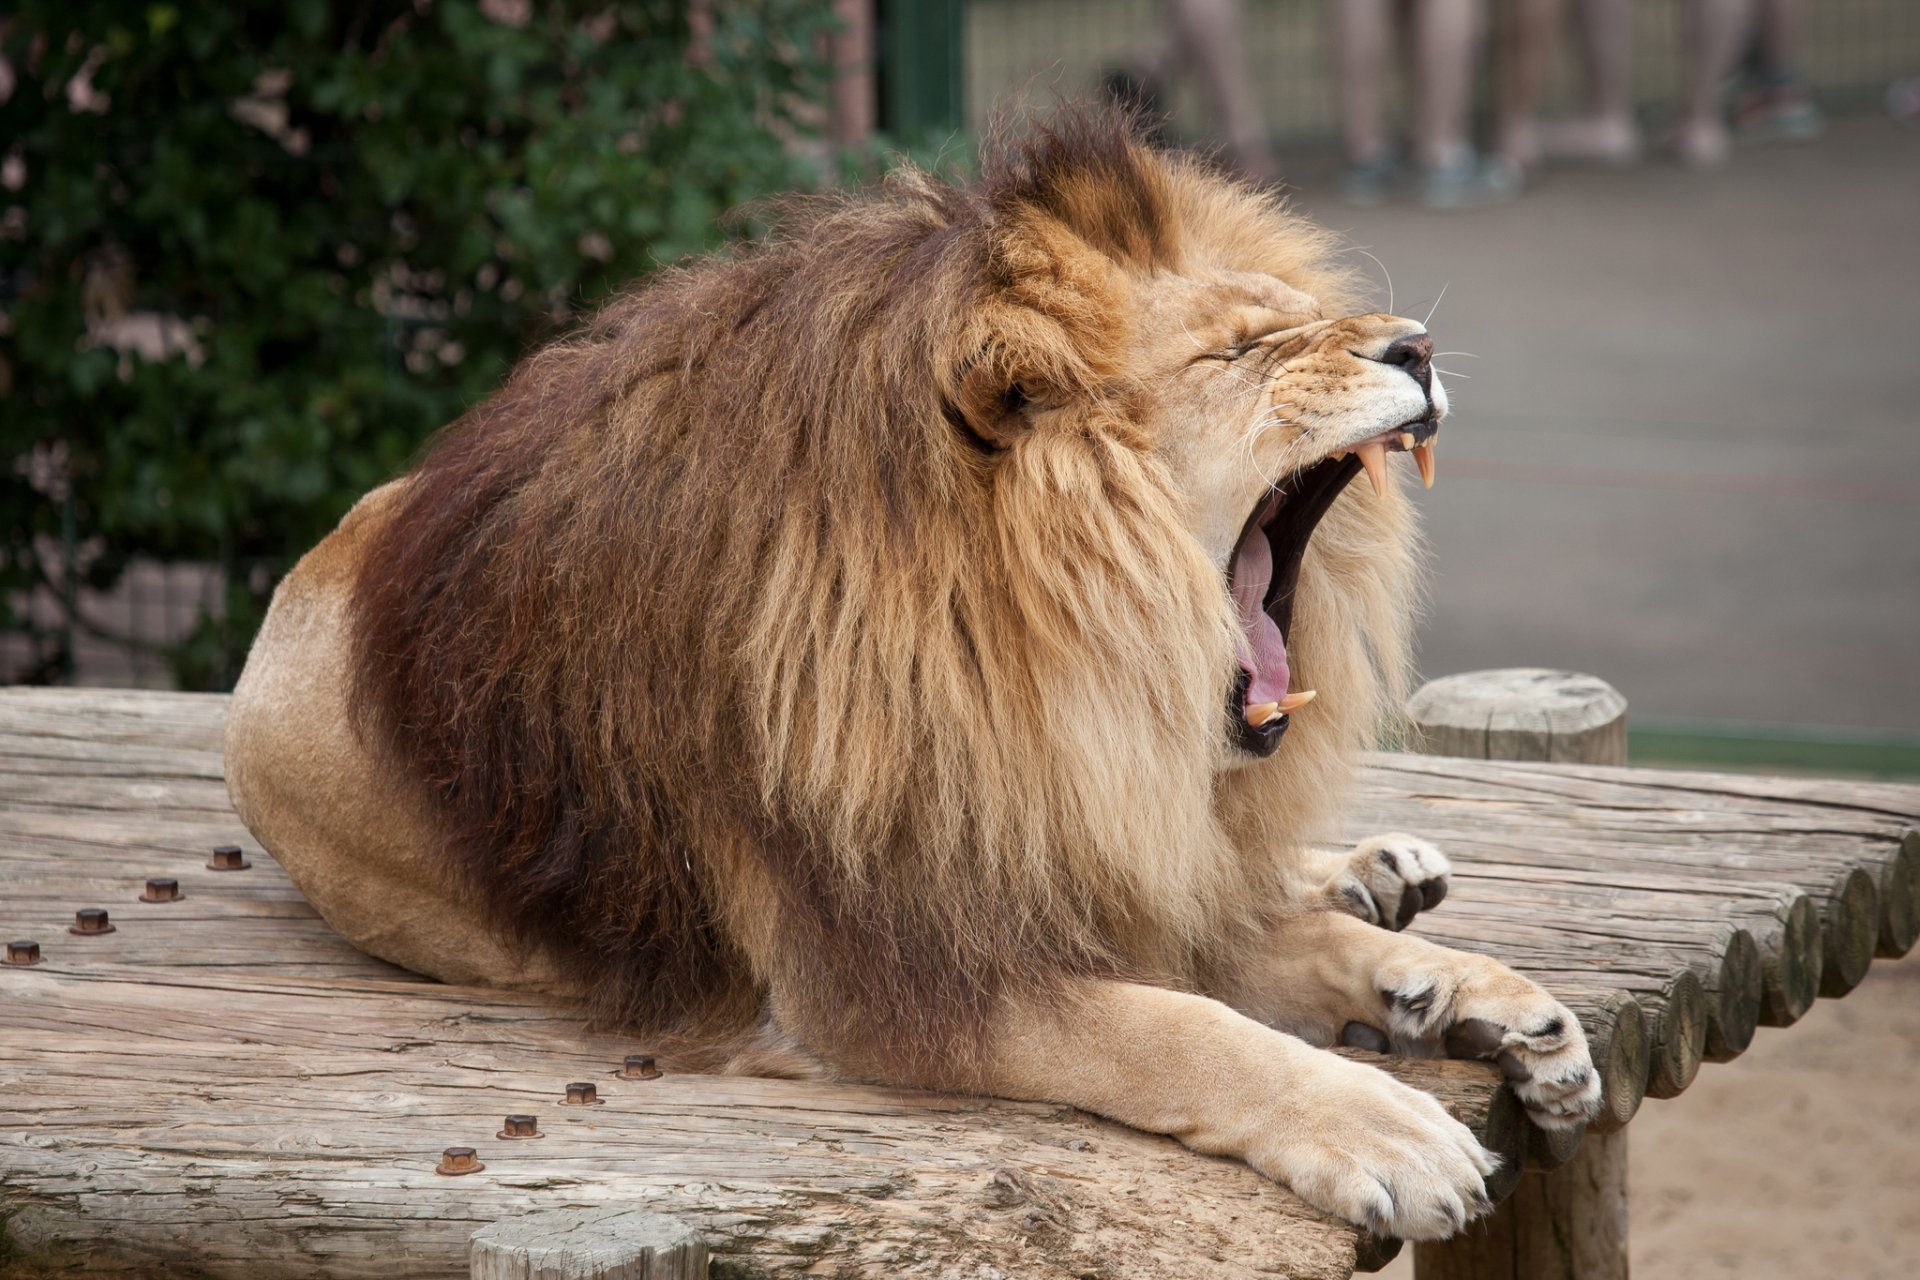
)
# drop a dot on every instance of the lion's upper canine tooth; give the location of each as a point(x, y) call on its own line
point(1423, 458)
point(1373, 456)
point(1294, 701)
point(1259, 713)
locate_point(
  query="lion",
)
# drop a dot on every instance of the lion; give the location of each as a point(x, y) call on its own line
point(926, 648)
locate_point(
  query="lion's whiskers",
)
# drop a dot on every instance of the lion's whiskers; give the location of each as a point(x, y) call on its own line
point(1388, 274)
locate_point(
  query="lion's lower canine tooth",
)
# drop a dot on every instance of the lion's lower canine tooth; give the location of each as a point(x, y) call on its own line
point(1423, 458)
point(1294, 701)
point(1261, 712)
point(1373, 456)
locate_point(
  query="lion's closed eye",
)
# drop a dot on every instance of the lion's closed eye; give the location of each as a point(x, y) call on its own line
point(1229, 354)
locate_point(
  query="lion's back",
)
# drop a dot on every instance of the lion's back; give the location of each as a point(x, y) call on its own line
point(355, 839)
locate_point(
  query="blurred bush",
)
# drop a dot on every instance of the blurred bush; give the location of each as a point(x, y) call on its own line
point(251, 254)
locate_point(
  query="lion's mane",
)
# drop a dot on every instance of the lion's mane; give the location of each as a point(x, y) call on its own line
point(737, 658)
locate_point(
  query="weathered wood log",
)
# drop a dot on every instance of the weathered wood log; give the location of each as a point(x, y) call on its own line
point(1567, 1225)
point(1791, 958)
point(1521, 713)
point(1623, 1055)
point(224, 1087)
point(1679, 1018)
point(1730, 828)
point(290, 1097)
point(1849, 930)
point(1735, 989)
point(1581, 1205)
point(588, 1244)
point(1900, 899)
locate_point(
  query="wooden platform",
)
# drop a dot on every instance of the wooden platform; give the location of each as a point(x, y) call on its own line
point(221, 1086)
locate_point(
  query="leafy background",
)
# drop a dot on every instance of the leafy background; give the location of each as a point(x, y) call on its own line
point(330, 227)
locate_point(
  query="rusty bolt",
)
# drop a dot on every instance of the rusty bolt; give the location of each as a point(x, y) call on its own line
point(455, 1161)
point(522, 1127)
point(228, 857)
point(639, 1066)
point(23, 952)
point(162, 891)
point(583, 1094)
point(90, 920)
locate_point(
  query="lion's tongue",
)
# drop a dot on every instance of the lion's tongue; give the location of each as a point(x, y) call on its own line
point(1264, 653)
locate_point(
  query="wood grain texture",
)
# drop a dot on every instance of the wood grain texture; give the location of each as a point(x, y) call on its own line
point(223, 1084)
point(1567, 1225)
point(588, 1244)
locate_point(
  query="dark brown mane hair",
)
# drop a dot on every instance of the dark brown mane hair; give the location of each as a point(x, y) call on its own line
point(736, 650)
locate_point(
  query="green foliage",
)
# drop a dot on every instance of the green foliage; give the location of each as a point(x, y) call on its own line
point(336, 224)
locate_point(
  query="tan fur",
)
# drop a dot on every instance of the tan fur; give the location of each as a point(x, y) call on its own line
point(824, 659)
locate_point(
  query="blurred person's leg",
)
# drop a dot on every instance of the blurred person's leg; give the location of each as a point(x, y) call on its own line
point(1716, 30)
point(1446, 36)
point(1361, 39)
point(1212, 36)
point(1523, 50)
point(1777, 104)
point(1445, 33)
point(1604, 130)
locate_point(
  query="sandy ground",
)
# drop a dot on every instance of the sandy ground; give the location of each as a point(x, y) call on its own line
point(1800, 1158)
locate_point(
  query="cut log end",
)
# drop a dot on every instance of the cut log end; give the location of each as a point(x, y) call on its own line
point(1623, 1055)
point(588, 1244)
point(1792, 963)
point(1735, 996)
point(1900, 899)
point(1679, 1036)
point(1849, 932)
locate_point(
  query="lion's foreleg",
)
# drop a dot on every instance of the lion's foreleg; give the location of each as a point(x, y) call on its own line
point(1332, 978)
point(1349, 1139)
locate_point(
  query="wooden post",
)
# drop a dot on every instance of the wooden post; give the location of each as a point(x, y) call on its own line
point(588, 1244)
point(1570, 1223)
point(850, 50)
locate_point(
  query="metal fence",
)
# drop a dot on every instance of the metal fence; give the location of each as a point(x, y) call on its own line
point(1036, 49)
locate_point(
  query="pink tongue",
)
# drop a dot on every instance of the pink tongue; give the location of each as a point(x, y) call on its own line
point(1264, 654)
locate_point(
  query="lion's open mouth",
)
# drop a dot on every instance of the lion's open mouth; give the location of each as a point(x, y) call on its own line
point(1265, 568)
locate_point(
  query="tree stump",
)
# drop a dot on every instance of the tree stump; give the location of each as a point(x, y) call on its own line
point(588, 1244)
point(1569, 1223)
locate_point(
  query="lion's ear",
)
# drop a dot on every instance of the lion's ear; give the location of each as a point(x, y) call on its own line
point(992, 407)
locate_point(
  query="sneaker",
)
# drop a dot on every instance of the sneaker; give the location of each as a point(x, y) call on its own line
point(1779, 109)
point(1469, 184)
point(1366, 186)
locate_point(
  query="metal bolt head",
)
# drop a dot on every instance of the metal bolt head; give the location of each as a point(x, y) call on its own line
point(90, 920)
point(162, 891)
point(522, 1127)
point(583, 1094)
point(638, 1066)
point(455, 1161)
point(25, 952)
point(228, 857)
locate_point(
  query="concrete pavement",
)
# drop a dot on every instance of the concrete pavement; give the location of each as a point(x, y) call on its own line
point(1686, 457)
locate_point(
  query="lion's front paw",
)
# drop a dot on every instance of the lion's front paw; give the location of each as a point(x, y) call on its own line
point(1390, 879)
point(1379, 1153)
point(1488, 1011)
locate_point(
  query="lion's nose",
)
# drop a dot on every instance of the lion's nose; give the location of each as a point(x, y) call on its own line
point(1415, 355)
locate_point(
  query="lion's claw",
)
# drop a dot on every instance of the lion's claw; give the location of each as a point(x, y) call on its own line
point(1475, 1015)
point(1389, 879)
